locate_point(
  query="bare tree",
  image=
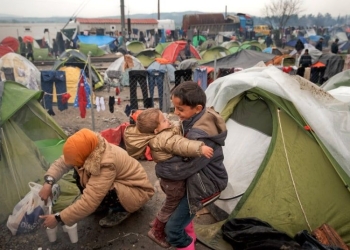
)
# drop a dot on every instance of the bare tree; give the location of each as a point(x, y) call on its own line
point(280, 11)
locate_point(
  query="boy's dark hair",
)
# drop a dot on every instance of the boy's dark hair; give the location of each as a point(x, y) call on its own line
point(148, 120)
point(190, 94)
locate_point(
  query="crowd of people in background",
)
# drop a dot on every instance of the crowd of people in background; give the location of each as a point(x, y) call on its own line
point(274, 37)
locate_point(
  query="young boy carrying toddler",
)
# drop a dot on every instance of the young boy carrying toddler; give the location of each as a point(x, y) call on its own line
point(166, 141)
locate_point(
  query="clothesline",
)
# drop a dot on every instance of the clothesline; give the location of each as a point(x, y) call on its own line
point(45, 93)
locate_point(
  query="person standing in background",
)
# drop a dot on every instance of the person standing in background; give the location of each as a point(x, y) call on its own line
point(304, 62)
point(120, 39)
point(319, 44)
point(188, 49)
point(268, 41)
point(22, 47)
point(54, 48)
point(335, 47)
point(30, 53)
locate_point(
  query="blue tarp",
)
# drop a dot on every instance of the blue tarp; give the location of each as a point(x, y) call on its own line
point(98, 40)
point(268, 50)
point(344, 46)
point(292, 42)
point(315, 38)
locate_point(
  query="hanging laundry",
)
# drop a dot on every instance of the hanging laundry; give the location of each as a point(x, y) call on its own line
point(201, 77)
point(65, 98)
point(49, 79)
point(111, 103)
point(82, 99)
point(182, 75)
point(138, 77)
point(156, 78)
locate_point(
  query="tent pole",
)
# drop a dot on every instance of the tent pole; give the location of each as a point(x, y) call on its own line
point(214, 68)
point(92, 91)
point(122, 17)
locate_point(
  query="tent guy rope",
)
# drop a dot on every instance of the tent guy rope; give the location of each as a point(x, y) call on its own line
point(290, 170)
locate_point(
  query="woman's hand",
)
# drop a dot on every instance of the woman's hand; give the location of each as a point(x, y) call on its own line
point(45, 192)
point(49, 220)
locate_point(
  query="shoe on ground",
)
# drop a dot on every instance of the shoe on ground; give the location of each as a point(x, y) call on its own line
point(158, 238)
point(151, 224)
point(113, 219)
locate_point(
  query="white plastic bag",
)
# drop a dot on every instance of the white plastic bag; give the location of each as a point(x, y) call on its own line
point(25, 215)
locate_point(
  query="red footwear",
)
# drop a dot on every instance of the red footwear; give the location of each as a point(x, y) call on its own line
point(189, 229)
point(157, 234)
point(189, 247)
point(151, 224)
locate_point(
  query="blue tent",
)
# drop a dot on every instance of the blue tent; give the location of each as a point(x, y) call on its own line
point(345, 46)
point(315, 38)
point(293, 42)
point(98, 40)
point(272, 50)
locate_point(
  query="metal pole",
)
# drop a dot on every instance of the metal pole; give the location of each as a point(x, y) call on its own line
point(158, 9)
point(214, 68)
point(122, 17)
point(92, 91)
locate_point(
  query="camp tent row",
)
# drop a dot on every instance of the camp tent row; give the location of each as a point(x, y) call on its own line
point(286, 153)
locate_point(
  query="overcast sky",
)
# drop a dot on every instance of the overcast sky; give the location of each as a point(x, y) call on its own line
point(98, 8)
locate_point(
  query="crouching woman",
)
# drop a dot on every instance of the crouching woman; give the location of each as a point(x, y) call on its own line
point(106, 175)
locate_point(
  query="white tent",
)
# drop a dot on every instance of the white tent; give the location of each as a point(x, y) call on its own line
point(328, 117)
point(25, 72)
point(121, 74)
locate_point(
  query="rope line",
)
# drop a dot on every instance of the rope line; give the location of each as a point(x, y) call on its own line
point(290, 171)
point(45, 93)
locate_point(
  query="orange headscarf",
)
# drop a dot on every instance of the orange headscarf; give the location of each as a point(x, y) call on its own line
point(79, 146)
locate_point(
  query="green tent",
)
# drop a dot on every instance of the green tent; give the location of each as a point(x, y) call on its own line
point(72, 57)
point(135, 47)
point(42, 54)
point(208, 44)
point(214, 52)
point(161, 47)
point(93, 48)
point(285, 154)
point(197, 40)
point(230, 44)
point(30, 141)
point(246, 45)
point(147, 56)
point(341, 79)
